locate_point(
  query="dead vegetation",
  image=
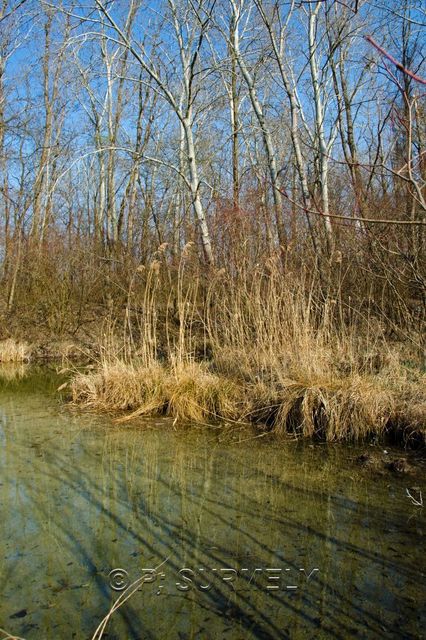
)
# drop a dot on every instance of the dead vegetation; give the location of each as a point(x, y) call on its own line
point(12, 351)
point(257, 349)
point(187, 392)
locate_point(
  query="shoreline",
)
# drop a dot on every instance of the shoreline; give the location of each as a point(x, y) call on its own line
point(350, 407)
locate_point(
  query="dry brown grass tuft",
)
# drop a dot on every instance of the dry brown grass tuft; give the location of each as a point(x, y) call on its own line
point(187, 391)
point(195, 394)
point(278, 356)
point(13, 351)
point(346, 409)
point(119, 386)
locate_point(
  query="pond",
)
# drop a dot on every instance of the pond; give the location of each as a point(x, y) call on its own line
point(237, 536)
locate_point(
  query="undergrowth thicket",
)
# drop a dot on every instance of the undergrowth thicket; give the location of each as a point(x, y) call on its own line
point(254, 346)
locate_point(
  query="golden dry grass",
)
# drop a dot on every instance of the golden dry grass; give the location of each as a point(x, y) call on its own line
point(278, 357)
point(347, 409)
point(14, 351)
point(118, 386)
point(187, 392)
point(196, 394)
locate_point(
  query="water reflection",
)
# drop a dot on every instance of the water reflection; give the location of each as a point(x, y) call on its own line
point(238, 522)
point(13, 371)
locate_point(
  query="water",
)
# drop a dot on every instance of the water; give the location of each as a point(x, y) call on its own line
point(258, 538)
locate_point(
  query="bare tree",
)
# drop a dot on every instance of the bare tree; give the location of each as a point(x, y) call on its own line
point(238, 15)
point(190, 51)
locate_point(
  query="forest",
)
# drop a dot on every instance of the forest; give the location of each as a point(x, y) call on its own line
point(221, 205)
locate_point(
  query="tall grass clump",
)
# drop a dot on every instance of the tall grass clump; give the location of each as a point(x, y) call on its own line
point(186, 392)
point(255, 346)
point(155, 371)
point(310, 365)
point(12, 351)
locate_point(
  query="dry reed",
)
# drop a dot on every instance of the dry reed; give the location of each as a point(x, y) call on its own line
point(278, 355)
point(14, 351)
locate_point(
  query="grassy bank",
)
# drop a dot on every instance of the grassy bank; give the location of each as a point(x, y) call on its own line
point(252, 347)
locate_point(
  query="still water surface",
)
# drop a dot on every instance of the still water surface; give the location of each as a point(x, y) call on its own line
point(258, 538)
